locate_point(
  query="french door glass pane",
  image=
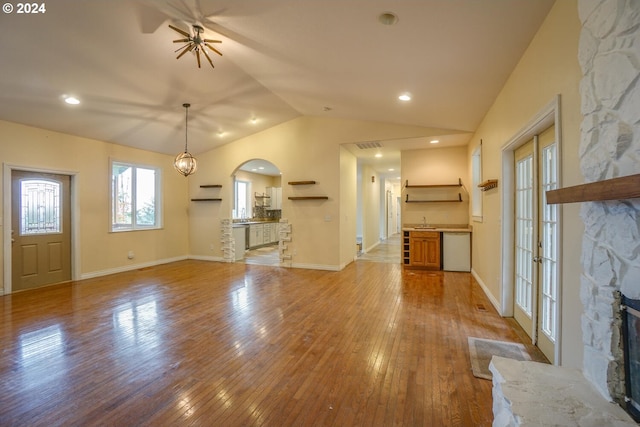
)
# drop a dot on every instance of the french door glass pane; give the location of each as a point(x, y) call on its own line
point(524, 233)
point(549, 239)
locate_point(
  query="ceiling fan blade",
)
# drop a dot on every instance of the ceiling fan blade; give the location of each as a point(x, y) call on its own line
point(211, 41)
point(184, 33)
point(208, 58)
point(188, 47)
point(182, 41)
point(198, 56)
point(213, 49)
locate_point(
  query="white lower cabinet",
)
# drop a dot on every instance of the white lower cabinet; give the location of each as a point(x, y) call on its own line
point(263, 234)
point(256, 235)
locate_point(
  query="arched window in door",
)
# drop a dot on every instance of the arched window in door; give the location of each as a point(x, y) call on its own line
point(40, 208)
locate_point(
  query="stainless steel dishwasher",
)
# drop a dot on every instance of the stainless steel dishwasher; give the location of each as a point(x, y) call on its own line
point(456, 251)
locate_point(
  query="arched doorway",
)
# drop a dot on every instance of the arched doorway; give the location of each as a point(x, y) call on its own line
point(256, 212)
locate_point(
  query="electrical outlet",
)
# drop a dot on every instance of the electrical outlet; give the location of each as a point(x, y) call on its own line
point(211, 247)
point(295, 252)
point(131, 255)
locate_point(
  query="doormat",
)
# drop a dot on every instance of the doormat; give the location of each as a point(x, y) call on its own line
point(482, 350)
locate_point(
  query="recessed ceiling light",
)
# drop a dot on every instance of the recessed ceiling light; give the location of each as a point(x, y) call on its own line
point(72, 100)
point(434, 141)
point(388, 18)
point(391, 170)
point(378, 155)
point(405, 97)
point(254, 120)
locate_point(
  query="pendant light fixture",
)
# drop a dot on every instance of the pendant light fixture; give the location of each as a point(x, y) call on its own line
point(185, 163)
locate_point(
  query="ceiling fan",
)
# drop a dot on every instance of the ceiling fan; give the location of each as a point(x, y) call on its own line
point(195, 43)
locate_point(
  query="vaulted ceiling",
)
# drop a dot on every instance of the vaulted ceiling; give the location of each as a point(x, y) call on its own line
point(281, 59)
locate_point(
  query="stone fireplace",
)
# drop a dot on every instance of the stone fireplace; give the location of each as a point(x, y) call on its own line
point(631, 345)
point(609, 54)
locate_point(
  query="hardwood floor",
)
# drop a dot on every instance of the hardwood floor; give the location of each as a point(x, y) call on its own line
point(204, 343)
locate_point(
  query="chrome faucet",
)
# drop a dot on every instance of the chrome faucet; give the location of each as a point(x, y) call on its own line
point(424, 221)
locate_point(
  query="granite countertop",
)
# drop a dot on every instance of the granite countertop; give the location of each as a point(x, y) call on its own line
point(254, 221)
point(438, 227)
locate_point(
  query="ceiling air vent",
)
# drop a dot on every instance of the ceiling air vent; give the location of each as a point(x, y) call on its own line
point(367, 145)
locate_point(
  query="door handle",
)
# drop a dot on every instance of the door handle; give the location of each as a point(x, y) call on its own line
point(537, 259)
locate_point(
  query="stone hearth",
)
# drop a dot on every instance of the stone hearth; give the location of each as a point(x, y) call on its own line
point(537, 394)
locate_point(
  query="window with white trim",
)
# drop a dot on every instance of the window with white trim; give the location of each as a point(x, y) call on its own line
point(135, 197)
point(242, 200)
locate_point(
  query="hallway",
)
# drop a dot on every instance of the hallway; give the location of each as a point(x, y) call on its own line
point(387, 251)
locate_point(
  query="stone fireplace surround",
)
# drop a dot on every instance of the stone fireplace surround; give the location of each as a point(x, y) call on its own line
point(527, 393)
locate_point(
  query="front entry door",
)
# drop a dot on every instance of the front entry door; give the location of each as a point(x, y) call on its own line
point(536, 242)
point(40, 229)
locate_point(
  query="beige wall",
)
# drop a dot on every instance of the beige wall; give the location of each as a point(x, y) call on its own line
point(549, 67)
point(306, 148)
point(348, 196)
point(99, 251)
point(435, 166)
point(370, 192)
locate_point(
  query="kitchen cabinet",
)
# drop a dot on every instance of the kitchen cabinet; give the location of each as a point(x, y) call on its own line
point(263, 234)
point(266, 233)
point(271, 232)
point(275, 197)
point(424, 249)
point(256, 235)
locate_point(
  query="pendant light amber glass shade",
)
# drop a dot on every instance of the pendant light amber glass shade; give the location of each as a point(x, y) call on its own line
point(185, 163)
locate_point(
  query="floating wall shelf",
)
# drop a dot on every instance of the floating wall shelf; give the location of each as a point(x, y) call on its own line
point(459, 184)
point(626, 187)
point(208, 199)
point(459, 199)
point(301, 182)
point(308, 198)
point(488, 184)
point(305, 197)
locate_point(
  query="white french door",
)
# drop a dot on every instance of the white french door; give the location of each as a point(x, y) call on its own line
point(536, 241)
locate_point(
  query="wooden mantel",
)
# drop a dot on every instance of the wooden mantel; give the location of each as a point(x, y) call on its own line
point(626, 187)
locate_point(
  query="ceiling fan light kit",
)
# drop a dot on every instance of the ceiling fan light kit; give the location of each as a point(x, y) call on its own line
point(185, 163)
point(195, 43)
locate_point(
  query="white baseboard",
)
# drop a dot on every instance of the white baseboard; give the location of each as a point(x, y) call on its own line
point(207, 258)
point(316, 267)
point(493, 300)
point(131, 267)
